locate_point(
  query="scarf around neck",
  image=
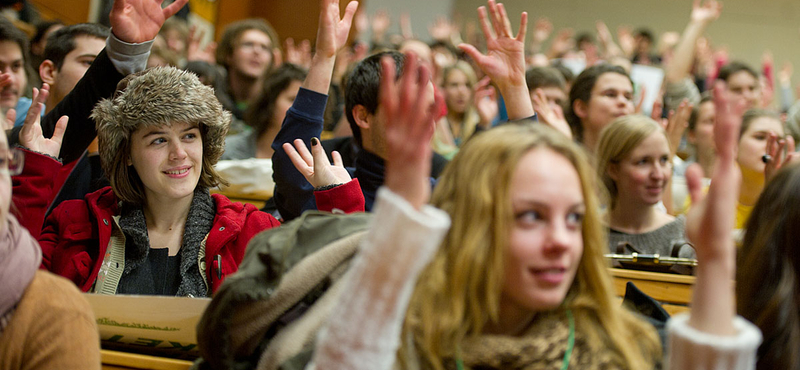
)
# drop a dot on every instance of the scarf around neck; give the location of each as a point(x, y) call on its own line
point(198, 223)
point(20, 257)
point(541, 347)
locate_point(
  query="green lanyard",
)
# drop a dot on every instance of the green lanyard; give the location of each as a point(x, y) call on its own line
point(567, 354)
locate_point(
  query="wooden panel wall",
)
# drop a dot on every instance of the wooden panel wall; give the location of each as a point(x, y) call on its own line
point(69, 11)
point(290, 18)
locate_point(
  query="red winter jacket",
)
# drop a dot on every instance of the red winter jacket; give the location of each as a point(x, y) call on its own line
point(76, 234)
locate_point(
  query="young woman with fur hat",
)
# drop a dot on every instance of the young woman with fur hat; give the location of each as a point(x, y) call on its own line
point(156, 229)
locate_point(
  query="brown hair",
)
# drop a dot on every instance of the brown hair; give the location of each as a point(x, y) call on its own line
point(768, 268)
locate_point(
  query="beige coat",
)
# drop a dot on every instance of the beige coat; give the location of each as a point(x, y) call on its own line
point(53, 327)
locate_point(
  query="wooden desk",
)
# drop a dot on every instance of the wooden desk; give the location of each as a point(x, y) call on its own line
point(673, 291)
point(114, 360)
point(256, 199)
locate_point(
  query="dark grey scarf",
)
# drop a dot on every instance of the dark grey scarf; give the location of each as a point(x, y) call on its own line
point(198, 224)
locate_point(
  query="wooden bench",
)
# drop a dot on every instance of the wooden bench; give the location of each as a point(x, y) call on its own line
point(673, 291)
point(114, 360)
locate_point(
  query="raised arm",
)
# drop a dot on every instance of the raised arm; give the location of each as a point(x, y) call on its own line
point(714, 334)
point(363, 331)
point(702, 15)
point(33, 189)
point(293, 193)
point(504, 61)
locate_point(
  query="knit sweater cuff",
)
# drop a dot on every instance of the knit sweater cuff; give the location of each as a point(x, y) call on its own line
point(364, 330)
point(692, 349)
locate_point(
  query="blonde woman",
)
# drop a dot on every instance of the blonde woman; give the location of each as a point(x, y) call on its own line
point(633, 162)
point(471, 107)
point(519, 279)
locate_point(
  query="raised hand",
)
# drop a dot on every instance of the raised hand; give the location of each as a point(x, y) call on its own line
point(196, 53)
point(405, 26)
point(380, 23)
point(777, 156)
point(333, 30)
point(504, 61)
point(706, 12)
point(442, 29)
point(137, 21)
point(549, 115)
point(31, 135)
point(676, 125)
point(626, 40)
point(298, 54)
point(562, 43)
point(408, 111)
point(331, 36)
point(541, 30)
point(315, 166)
point(785, 74)
point(710, 222)
point(485, 100)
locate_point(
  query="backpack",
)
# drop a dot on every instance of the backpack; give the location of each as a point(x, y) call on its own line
point(272, 307)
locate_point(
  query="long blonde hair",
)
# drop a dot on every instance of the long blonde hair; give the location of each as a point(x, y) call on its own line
point(617, 141)
point(459, 292)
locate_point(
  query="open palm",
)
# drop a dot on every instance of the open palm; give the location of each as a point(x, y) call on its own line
point(137, 21)
point(504, 60)
point(31, 135)
point(332, 32)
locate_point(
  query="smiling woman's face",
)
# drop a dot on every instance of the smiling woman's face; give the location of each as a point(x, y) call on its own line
point(168, 159)
point(546, 242)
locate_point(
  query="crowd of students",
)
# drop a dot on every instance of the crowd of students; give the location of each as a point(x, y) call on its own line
point(498, 179)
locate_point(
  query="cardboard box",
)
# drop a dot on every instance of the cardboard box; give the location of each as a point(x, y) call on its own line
point(156, 325)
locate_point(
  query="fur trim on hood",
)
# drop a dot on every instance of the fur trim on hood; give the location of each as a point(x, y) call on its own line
point(155, 97)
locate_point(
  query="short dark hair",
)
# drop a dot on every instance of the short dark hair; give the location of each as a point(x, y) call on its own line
point(234, 30)
point(734, 67)
point(569, 76)
point(42, 28)
point(363, 84)
point(582, 90)
point(8, 32)
point(537, 77)
point(62, 42)
point(644, 33)
point(259, 114)
point(584, 37)
point(446, 45)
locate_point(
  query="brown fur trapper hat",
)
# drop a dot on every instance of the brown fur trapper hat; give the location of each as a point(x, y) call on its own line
point(159, 96)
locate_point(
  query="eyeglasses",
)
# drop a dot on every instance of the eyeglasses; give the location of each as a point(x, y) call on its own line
point(249, 45)
point(12, 162)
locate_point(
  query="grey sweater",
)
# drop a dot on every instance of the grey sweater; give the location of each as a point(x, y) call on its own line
point(658, 241)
